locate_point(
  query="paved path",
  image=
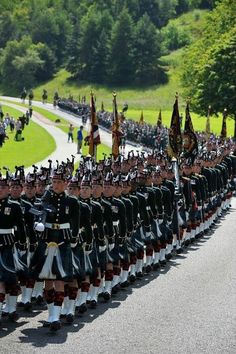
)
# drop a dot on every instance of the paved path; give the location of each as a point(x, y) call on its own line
point(189, 307)
point(63, 149)
point(105, 136)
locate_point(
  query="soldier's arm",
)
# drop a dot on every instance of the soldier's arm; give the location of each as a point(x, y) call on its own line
point(122, 219)
point(74, 218)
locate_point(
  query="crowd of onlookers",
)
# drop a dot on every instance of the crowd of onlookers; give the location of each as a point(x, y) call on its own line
point(9, 123)
point(132, 131)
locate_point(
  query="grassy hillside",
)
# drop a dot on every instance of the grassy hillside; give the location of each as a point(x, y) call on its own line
point(149, 99)
point(25, 152)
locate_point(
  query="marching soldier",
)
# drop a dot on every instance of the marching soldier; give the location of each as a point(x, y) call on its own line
point(11, 219)
point(52, 260)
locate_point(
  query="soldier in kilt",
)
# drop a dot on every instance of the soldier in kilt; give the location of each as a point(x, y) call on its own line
point(12, 242)
point(52, 260)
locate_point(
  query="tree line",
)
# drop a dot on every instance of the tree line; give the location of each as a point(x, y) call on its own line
point(113, 41)
point(210, 63)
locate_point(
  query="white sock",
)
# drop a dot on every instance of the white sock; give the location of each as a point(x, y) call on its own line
point(56, 311)
point(71, 307)
point(132, 269)
point(12, 303)
point(108, 287)
point(38, 289)
point(82, 298)
point(65, 305)
point(50, 309)
point(156, 257)
point(115, 281)
point(28, 294)
point(139, 265)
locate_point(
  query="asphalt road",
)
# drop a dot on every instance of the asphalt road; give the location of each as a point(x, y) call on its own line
point(189, 307)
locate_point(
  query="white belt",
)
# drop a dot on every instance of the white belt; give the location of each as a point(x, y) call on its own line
point(148, 208)
point(6, 231)
point(58, 226)
point(116, 223)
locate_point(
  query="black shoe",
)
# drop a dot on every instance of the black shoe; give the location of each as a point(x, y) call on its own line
point(168, 256)
point(28, 307)
point(93, 304)
point(132, 278)
point(40, 300)
point(55, 326)
point(33, 299)
point(148, 268)
point(179, 250)
point(82, 308)
point(46, 324)
point(70, 318)
point(156, 266)
point(163, 263)
point(125, 284)
point(139, 275)
point(20, 304)
point(106, 296)
point(115, 289)
point(62, 316)
point(187, 243)
point(13, 316)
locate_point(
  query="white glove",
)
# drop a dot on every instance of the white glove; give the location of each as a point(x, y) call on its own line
point(160, 221)
point(187, 215)
point(73, 245)
point(102, 248)
point(39, 226)
point(111, 246)
point(148, 234)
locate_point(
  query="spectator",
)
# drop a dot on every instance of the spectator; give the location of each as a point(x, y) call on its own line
point(23, 121)
point(30, 111)
point(70, 133)
point(3, 135)
point(18, 130)
point(1, 113)
point(12, 124)
point(27, 115)
point(79, 139)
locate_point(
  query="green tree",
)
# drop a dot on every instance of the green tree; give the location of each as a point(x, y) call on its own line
point(19, 63)
point(45, 71)
point(210, 62)
point(146, 52)
point(174, 37)
point(7, 28)
point(121, 70)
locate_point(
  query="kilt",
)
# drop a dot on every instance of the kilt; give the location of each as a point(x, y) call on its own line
point(52, 261)
point(10, 265)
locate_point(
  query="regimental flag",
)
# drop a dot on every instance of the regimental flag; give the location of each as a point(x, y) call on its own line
point(102, 107)
point(116, 131)
point(208, 129)
point(94, 138)
point(224, 128)
point(190, 143)
point(159, 120)
point(141, 120)
point(175, 137)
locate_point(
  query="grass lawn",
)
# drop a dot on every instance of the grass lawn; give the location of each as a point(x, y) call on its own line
point(63, 125)
point(30, 150)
